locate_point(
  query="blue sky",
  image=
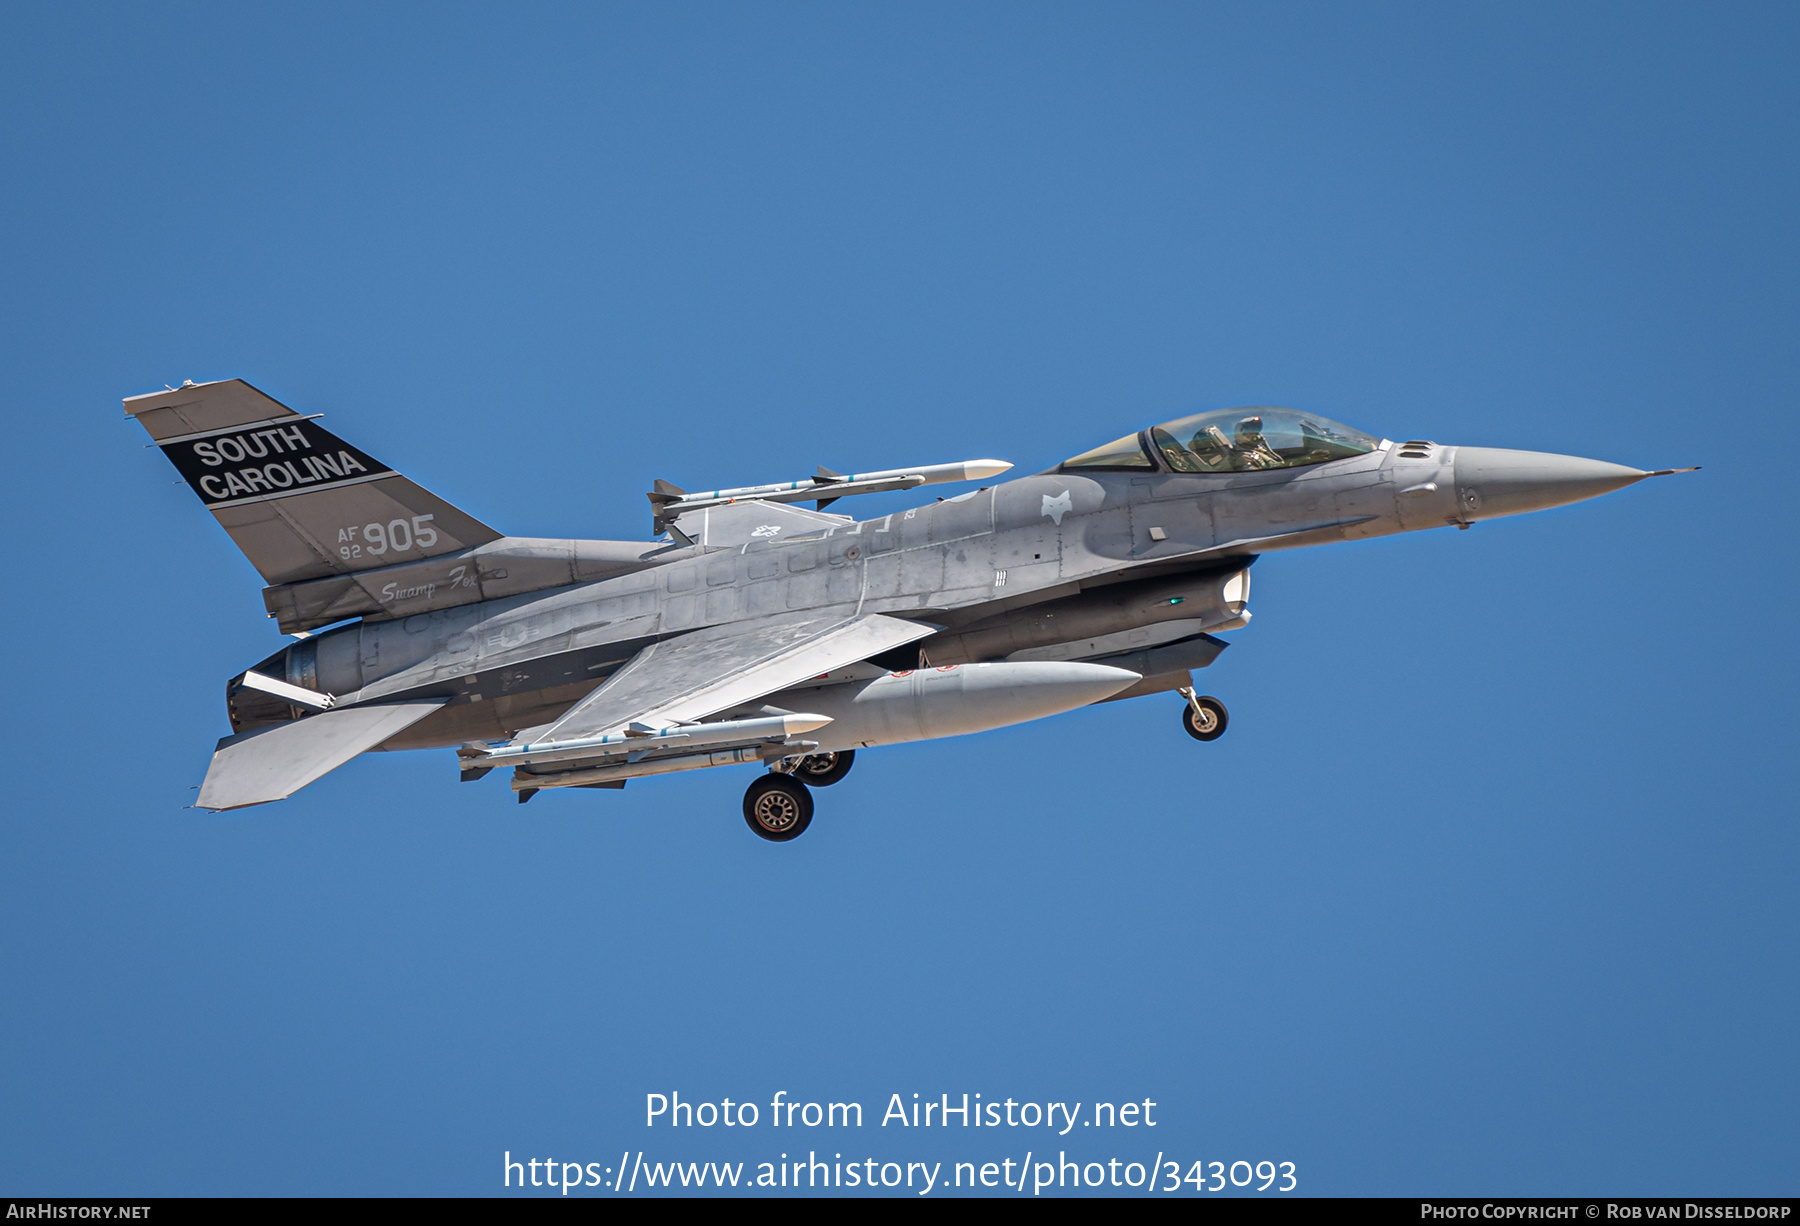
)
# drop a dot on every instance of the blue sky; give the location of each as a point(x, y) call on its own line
point(1490, 888)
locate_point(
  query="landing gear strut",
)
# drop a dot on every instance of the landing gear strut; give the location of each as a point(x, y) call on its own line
point(821, 770)
point(778, 808)
point(1204, 717)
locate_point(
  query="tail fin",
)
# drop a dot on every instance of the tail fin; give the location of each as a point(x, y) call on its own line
point(299, 501)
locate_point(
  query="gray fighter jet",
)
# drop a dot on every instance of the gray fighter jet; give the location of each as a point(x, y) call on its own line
point(757, 631)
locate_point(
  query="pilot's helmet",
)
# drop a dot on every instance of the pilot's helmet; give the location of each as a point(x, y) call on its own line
point(1249, 429)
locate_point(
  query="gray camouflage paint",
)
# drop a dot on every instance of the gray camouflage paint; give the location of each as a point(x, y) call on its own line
point(510, 632)
point(987, 561)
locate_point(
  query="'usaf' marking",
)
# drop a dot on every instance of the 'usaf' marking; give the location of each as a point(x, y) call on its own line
point(271, 462)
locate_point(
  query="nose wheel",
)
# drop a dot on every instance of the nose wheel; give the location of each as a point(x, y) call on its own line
point(778, 808)
point(1204, 717)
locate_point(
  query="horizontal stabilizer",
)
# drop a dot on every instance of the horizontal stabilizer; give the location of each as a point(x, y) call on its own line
point(274, 763)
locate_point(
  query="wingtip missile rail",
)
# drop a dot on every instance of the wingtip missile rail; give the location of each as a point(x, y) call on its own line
point(669, 501)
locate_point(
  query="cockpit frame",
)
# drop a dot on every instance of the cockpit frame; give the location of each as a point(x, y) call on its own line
point(1261, 439)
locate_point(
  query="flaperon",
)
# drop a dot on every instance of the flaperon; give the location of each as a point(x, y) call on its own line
point(756, 631)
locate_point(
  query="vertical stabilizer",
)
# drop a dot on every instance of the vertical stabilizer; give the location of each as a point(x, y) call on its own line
point(299, 501)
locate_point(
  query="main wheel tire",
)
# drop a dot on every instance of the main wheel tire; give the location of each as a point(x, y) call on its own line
point(777, 808)
point(1209, 723)
point(821, 770)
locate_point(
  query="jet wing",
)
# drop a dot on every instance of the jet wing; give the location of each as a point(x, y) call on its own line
point(712, 670)
point(274, 763)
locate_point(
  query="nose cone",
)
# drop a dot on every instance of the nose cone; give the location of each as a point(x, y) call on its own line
point(1491, 482)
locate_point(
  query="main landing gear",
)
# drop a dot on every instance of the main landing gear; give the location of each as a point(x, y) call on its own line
point(1204, 717)
point(821, 770)
point(778, 807)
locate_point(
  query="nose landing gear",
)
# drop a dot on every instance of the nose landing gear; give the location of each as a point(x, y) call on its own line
point(1204, 717)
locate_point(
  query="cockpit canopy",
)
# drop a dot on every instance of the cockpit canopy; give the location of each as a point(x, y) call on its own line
point(1232, 441)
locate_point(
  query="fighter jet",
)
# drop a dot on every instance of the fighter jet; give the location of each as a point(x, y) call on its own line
point(755, 631)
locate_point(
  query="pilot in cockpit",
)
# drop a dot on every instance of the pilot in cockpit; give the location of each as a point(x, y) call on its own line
point(1248, 449)
point(1251, 449)
point(1237, 440)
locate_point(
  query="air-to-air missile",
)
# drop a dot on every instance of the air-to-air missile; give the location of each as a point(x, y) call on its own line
point(756, 631)
point(823, 488)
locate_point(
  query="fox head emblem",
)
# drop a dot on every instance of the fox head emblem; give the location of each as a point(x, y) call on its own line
point(1058, 506)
